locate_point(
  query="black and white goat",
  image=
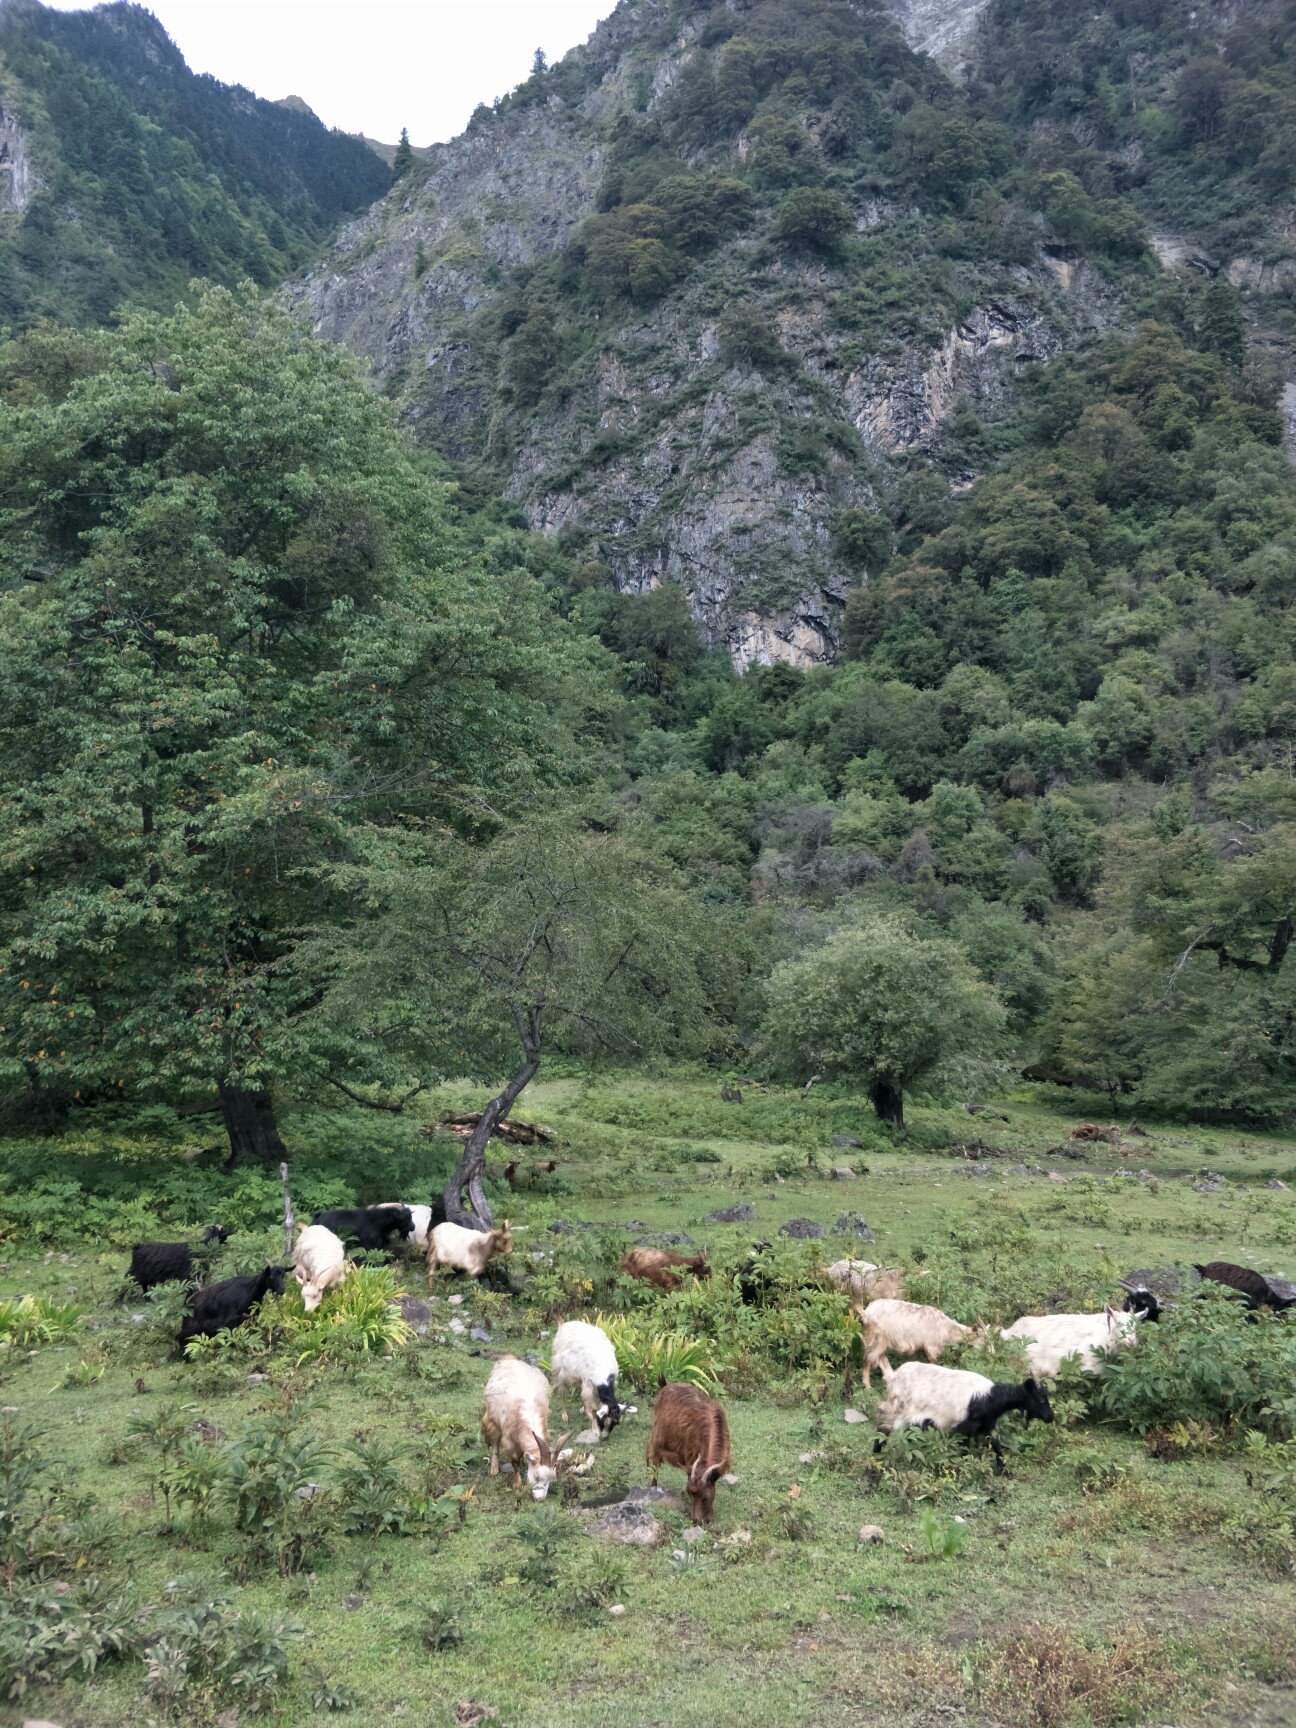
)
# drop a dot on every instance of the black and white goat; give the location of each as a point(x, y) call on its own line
point(923, 1395)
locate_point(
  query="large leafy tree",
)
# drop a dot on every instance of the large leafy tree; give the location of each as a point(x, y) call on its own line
point(236, 642)
point(882, 1007)
point(553, 938)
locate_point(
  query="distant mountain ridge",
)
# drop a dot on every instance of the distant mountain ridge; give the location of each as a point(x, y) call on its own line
point(139, 173)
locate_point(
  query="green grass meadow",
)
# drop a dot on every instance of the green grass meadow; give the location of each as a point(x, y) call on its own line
point(1104, 1578)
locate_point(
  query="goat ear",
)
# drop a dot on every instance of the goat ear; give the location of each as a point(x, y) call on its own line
point(714, 1473)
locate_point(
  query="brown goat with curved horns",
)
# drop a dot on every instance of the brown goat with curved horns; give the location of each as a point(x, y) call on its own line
point(690, 1431)
point(655, 1266)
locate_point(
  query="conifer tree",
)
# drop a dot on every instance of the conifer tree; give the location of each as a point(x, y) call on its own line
point(403, 160)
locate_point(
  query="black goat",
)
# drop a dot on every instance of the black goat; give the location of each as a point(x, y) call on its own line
point(1144, 1304)
point(375, 1227)
point(1254, 1288)
point(222, 1306)
point(162, 1262)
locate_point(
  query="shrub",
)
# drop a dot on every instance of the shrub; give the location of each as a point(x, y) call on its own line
point(1205, 1361)
point(645, 1356)
point(31, 1320)
point(814, 221)
point(1047, 1677)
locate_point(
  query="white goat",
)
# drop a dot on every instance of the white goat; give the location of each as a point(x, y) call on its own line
point(864, 1282)
point(319, 1263)
point(1051, 1338)
point(583, 1356)
point(466, 1250)
point(908, 1328)
point(515, 1420)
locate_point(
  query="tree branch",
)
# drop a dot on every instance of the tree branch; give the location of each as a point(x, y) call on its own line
point(369, 1104)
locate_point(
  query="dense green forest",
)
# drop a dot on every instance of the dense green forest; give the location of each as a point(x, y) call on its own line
point(300, 715)
point(146, 175)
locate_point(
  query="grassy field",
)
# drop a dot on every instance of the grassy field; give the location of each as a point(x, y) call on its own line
point(1104, 1578)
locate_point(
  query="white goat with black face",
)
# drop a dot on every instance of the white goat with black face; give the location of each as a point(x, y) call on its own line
point(1049, 1339)
point(515, 1421)
point(583, 1356)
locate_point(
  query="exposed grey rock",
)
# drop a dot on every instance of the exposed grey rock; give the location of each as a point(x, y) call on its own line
point(854, 1416)
point(846, 1140)
point(479, 1334)
point(560, 1227)
point(352, 1602)
point(742, 1213)
point(1209, 1182)
point(871, 1533)
point(694, 1533)
point(16, 178)
point(802, 1229)
point(417, 1312)
point(628, 1523)
point(670, 1239)
point(1275, 1183)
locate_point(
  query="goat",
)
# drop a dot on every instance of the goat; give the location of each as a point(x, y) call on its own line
point(466, 1251)
point(1143, 1305)
point(424, 1219)
point(319, 1263)
point(372, 1227)
point(582, 1355)
point(166, 1262)
point(864, 1282)
point(920, 1395)
point(690, 1431)
point(1051, 1338)
point(515, 1420)
point(908, 1328)
point(655, 1266)
point(1254, 1288)
point(221, 1307)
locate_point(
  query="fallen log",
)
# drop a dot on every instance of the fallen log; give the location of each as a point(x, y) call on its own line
point(517, 1133)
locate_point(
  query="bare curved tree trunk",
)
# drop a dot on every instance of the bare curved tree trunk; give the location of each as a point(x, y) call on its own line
point(465, 1198)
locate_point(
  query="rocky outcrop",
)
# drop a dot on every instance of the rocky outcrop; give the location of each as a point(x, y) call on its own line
point(942, 28)
point(15, 163)
point(654, 451)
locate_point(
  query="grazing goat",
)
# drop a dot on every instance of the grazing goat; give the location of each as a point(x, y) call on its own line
point(908, 1328)
point(1143, 1305)
point(166, 1262)
point(372, 1227)
point(1255, 1289)
point(221, 1307)
point(1051, 1338)
point(423, 1218)
point(691, 1432)
point(919, 1395)
point(656, 1266)
point(583, 1356)
point(466, 1250)
point(515, 1420)
point(864, 1282)
point(319, 1263)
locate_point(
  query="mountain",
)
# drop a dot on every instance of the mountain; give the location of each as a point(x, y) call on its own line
point(128, 174)
point(738, 291)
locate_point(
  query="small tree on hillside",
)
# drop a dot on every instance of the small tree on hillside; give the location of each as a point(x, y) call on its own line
point(403, 160)
point(551, 939)
point(815, 221)
point(881, 1007)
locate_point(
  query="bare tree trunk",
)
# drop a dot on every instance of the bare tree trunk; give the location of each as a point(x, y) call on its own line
point(888, 1102)
point(467, 1178)
point(250, 1124)
point(288, 1211)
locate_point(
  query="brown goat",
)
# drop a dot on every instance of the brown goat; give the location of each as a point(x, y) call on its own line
point(690, 1431)
point(653, 1266)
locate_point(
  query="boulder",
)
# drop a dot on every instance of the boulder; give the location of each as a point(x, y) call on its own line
point(743, 1213)
point(802, 1229)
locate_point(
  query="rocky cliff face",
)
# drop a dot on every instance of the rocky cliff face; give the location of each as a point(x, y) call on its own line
point(654, 448)
point(15, 164)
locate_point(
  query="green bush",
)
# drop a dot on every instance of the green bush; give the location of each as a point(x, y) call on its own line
point(1205, 1360)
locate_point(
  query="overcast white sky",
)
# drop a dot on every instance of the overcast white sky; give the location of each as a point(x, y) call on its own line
point(373, 66)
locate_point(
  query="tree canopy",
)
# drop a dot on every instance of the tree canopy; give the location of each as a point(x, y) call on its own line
point(239, 640)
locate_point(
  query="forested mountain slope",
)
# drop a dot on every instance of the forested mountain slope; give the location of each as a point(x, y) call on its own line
point(123, 174)
point(720, 298)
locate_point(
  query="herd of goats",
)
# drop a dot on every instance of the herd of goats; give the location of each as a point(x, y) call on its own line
point(690, 1430)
